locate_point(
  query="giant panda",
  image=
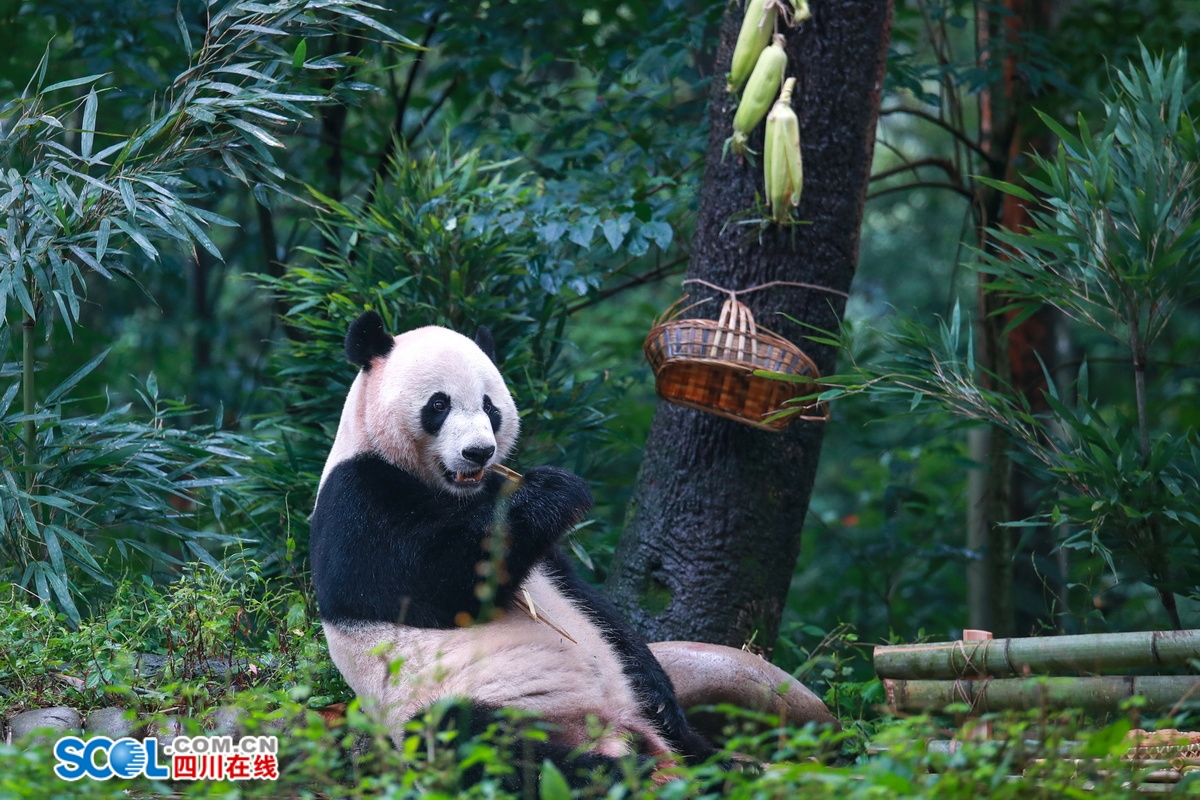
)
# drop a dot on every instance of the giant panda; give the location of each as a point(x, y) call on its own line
point(405, 507)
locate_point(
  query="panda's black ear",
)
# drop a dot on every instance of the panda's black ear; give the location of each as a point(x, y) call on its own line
point(483, 338)
point(367, 340)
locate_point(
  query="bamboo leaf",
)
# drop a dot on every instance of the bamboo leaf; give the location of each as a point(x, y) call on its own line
point(58, 582)
point(79, 545)
point(234, 168)
point(67, 84)
point(201, 114)
point(553, 786)
point(300, 54)
point(129, 198)
point(256, 132)
point(1006, 187)
point(50, 539)
point(363, 19)
point(39, 74)
point(201, 554)
point(7, 399)
point(139, 238)
point(89, 125)
point(86, 258)
point(199, 235)
point(22, 503)
point(102, 234)
point(183, 29)
point(22, 294)
point(254, 28)
point(74, 378)
point(41, 587)
point(247, 72)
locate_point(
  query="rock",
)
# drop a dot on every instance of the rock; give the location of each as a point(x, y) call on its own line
point(149, 665)
point(115, 723)
point(228, 721)
point(165, 730)
point(710, 674)
point(61, 719)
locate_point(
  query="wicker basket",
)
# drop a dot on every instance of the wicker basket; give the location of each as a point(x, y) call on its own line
point(710, 366)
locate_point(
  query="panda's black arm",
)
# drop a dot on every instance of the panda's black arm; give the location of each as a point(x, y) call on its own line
point(650, 682)
point(549, 503)
point(385, 548)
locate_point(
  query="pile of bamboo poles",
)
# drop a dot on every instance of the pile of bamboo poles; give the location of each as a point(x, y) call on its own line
point(999, 674)
point(1084, 672)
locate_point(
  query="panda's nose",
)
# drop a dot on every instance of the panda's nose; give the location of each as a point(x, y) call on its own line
point(479, 455)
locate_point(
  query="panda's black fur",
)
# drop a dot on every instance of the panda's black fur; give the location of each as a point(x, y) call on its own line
point(394, 554)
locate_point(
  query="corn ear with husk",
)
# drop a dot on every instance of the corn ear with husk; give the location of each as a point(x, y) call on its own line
point(757, 27)
point(783, 173)
point(760, 92)
point(800, 11)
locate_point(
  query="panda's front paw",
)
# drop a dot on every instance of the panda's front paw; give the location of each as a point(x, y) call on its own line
point(552, 499)
point(566, 489)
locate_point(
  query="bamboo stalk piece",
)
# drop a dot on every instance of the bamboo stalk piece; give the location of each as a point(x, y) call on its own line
point(1003, 658)
point(1096, 695)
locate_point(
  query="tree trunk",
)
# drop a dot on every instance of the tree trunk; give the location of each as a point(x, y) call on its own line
point(713, 530)
point(999, 491)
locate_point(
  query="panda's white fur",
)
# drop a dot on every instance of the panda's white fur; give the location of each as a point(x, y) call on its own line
point(511, 661)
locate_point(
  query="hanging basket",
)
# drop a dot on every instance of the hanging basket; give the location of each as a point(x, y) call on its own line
point(710, 366)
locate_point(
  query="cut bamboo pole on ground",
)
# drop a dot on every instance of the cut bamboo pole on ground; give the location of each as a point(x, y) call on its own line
point(980, 730)
point(1162, 693)
point(1003, 658)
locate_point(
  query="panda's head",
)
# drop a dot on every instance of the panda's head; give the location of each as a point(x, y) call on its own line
point(432, 402)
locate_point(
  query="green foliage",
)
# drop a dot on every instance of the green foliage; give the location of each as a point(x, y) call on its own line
point(948, 26)
point(189, 644)
point(1120, 31)
point(115, 481)
point(882, 549)
point(40, 649)
point(1118, 250)
point(1099, 481)
point(74, 205)
point(607, 108)
point(1115, 247)
point(70, 209)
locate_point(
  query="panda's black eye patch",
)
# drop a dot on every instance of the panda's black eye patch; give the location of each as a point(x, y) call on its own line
point(434, 414)
point(492, 412)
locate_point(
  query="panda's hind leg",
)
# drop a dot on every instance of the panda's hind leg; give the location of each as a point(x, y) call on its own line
point(525, 754)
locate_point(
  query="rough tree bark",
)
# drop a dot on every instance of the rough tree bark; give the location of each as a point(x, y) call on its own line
point(713, 530)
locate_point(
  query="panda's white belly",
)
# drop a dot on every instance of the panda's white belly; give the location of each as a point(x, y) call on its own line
point(513, 662)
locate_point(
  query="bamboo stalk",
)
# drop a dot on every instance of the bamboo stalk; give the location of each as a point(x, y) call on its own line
point(29, 401)
point(1002, 658)
point(1096, 695)
point(512, 475)
point(529, 608)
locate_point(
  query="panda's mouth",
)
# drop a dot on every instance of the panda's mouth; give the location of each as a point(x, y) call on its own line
point(465, 478)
